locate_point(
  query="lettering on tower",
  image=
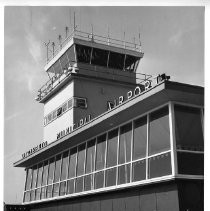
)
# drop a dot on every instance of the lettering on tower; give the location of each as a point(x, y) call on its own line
point(70, 129)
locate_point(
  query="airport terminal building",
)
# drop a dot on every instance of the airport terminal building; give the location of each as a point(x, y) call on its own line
point(114, 139)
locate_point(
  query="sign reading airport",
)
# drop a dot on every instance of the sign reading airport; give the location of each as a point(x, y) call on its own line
point(137, 91)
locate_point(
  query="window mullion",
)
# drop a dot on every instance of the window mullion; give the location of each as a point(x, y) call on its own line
point(147, 148)
point(172, 123)
point(105, 160)
point(132, 140)
point(118, 146)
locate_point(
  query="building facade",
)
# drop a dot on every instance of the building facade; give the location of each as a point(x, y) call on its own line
point(114, 139)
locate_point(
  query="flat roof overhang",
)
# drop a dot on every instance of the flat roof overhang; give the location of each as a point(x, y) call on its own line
point(156, 96)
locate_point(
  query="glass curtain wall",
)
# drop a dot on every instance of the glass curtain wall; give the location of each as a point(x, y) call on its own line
point(189, 139)
point(136, 151)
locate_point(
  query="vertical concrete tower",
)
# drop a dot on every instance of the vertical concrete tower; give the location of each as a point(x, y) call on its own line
point(87, 71)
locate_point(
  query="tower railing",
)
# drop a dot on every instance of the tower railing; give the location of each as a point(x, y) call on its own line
point(95, 38)
point(69, 68)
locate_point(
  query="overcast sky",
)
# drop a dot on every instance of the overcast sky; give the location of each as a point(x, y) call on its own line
point(172, 40)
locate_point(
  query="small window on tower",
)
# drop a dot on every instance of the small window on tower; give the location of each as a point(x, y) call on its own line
point(54, 114)
point(45, 121)
point(80, 102)
point(64, 107)
point(59, 111)
point(70, 103)
point(49, 117)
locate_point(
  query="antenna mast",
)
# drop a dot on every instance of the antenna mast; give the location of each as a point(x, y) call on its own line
point(66, 30)
point(74, 21)
point(53, 47)
point(139, 39)
point(60, 40)
point(47, 46)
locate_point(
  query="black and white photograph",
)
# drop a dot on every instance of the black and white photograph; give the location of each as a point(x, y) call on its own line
point(103, 107)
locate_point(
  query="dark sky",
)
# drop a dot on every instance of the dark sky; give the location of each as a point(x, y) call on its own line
point(172, 40)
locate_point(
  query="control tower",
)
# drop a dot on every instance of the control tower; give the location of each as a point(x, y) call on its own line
point(86, 72)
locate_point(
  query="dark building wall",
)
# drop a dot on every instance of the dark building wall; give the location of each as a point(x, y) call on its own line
point(191, 195)
point(159, 197)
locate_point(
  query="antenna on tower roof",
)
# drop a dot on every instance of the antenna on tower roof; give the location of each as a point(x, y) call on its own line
point(47, 46)
point(66, 30)
point(60, 40)
point(124, 38)
point(139, 39)
point(74, 21)
point(108, 40)
point(92, 39)
point(134, 41)
point(53, 47)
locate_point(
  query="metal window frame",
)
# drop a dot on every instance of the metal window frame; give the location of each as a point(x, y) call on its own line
point(106, 168)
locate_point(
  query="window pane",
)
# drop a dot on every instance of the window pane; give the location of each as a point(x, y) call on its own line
point(57, 67)
point(65, 163)
point(70, 186)
point(90, 158)
point(64, 61)
point(125, 143)
point(159, 139)
point(83, 53)
point(72, 164)
point(80, 103)
point(39, 179)
point(56, 189)
point(62, 188)
point(51, 170)
point(99, 180)
point(43, 193)
point(33, 195)
point(81, 160)
point(160, 165)
point(57, 168)
point(112, 148)
point(140, 138)
point(27, 196)
point(101, 146)
point(99, 57)
point(111, 177)
point(28, 179)
point(45, 173)
point(64, 107)
point(34, 177)
point(71, 55)
point(124, 174)
point(89, 182)
point(130, 62)
point(190, 163)
point(189, 133)
point(79, 184)
point(38, 193)
point(116, 60)
point(49, 191)
point(139, 170)
point(70, 103)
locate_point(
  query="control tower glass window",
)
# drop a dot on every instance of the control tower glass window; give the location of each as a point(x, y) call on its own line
point(99, 57)
point(131, 63)
point(57, 67)
point(116, 60)
point(83, 53)
point(64, 61)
